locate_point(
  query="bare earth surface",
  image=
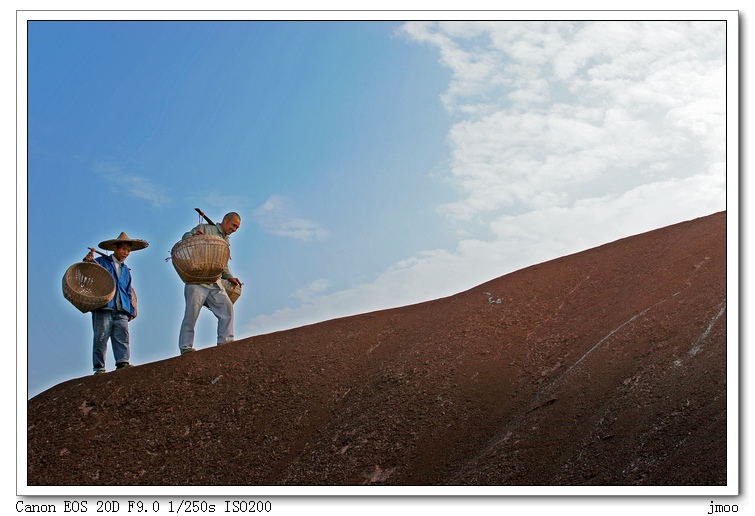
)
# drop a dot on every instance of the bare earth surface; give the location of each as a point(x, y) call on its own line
point(607, 367)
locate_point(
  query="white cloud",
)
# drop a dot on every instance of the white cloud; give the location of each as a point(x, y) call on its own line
point(277, 216)
point(567, 136)
point(574, 117)
point(315, 288)
point(132, 185)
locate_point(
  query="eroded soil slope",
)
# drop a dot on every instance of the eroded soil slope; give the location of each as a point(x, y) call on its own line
point(607, 367)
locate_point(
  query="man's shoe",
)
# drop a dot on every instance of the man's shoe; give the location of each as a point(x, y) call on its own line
point(224, 343)
point(122, 365)
point(99, 371)
point(187, 350)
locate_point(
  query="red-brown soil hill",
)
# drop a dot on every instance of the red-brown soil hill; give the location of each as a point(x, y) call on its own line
point(606, 367)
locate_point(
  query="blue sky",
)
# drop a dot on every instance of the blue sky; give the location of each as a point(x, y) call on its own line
point(374, 164)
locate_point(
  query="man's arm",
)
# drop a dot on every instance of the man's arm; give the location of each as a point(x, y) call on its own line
point(195, 231)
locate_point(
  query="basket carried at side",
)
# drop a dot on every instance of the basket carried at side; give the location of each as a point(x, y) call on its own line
point(88, 286)
point(233, 290)
point(200, 258)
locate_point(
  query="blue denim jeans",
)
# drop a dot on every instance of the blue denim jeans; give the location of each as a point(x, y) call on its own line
point(113, 325)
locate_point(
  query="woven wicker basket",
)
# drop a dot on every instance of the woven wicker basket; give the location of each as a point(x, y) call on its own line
point(88, 286)
point(200, 258)
point(233, 290)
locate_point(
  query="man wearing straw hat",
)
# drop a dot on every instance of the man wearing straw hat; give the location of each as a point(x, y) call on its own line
point(111, 321)
point(213, 295)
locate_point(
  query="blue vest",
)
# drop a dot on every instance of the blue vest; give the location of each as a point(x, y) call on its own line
point(122, 284)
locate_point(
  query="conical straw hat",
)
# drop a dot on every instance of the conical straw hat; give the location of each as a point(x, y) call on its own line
point(136, 244)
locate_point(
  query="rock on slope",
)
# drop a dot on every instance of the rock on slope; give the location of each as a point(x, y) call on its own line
point(606, 367)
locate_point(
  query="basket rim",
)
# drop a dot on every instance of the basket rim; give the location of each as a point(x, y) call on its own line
point(195, 268)
point(102, 272)
point(233, 290)
point(89, 300)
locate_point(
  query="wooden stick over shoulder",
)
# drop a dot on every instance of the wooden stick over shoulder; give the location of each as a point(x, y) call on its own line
point(209, 221)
